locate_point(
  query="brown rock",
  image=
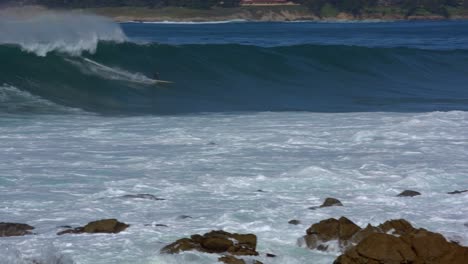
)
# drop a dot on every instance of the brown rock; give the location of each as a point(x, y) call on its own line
point(105, 226)
point(231, 260)
point(331, 229)
point(14, 229)
point(397, 227)
point(216, 242)
point(100, 226)
point(234, 260)
point(331, 202)
point(418, 246)
point(408, 193)
point(184, 244)
point(385, 248)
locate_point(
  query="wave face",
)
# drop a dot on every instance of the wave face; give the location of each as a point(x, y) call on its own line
point(220, 78)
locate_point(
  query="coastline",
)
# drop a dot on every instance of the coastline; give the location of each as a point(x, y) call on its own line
point(251, 14)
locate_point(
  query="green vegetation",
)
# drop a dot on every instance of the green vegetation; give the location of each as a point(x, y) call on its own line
point(398, 9)
point(325, 8)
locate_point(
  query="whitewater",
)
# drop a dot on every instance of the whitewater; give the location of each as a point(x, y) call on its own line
point(263, 121)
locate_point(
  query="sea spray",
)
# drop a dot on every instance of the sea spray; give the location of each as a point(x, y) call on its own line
point(44, 31)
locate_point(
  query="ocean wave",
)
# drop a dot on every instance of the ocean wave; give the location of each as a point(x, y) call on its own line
point(119, 78)
point(46, 31)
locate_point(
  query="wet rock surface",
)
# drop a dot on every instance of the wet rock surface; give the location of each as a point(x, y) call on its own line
point(395, 241)
point(341, 229)
point(420, 246)
point(15, 229)
point(409, 193)
point(234, 260)
point(101, 226)
point(216, 242)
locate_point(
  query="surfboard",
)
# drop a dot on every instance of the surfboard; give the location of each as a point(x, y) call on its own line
point(161, 81)
point(127, 75)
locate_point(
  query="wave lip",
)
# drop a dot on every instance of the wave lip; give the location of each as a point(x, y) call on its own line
point(66, 32)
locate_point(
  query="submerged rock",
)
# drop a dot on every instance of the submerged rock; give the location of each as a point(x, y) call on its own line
point(408, 193)
point(294, 222)
point(15, 229)
point(142, 196)
point(216, 242)
point(457, 192)
point(331, 202)
point(100, 226)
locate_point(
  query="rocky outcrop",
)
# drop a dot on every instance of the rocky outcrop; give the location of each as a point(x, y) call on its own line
point(15, 229)
point(216, 242)
point(395, 241)
point(341, 230)
point(420, 246)
point(408, 193)
point(100, 226)
point(348, 233)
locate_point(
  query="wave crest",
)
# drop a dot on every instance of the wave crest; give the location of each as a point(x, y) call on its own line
point(68, 32)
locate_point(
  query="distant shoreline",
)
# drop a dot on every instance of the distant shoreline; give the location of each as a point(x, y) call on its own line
point(285, 13)
point(250, 14)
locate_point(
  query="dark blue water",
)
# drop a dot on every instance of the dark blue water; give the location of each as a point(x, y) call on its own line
point(250, 67)
point(412, 34)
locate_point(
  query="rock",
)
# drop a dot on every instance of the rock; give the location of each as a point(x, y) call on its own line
point(101, 226)
point(408, 193)
point(419, 246)
point(331, 229)
point(397, 227)
point(231, 260)
point(184, 216)
point(331, 202)
point(216, 242)
point(269, 255)
point(457, 192)
point(14, 229)
point(143, 196)
point(294, 222)
point(234, 260)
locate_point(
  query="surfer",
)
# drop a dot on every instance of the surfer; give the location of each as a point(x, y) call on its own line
point(156, 75)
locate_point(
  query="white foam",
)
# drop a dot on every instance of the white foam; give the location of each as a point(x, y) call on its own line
point(71, 170)
point(46, 31)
